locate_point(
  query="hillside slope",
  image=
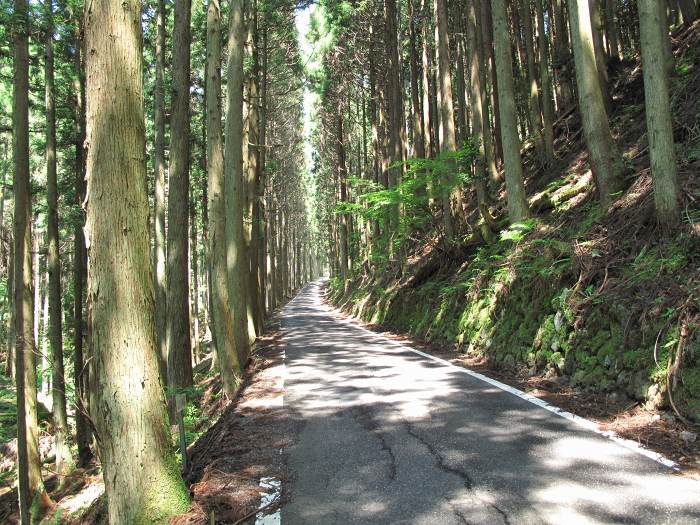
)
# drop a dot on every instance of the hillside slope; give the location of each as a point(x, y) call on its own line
point(583, 297)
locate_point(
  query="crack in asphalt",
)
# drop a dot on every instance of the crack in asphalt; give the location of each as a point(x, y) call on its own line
point(503, 514)
point(363, 415)
point(441, 462)
point(466, 479)
point(462, 518)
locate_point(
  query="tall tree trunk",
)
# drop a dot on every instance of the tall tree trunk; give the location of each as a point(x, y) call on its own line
point(654, 38)
point(425, 82)
point(64, 461)
point(599, 47)
point(279, 247)
point(271, 250)
point(611, 31)
point(221, 318)
point(394, 105)
point(247, 226)
point(83, 434)
point(374, 119)
point(45, 375)
point(475, 98)
point(204, 201)
point(451, 198)
point(483, 57)
point(177, 288)
point(606, 162)
point(159, 240)
point(342, 182)
point(5, 259)
point(416, 114)
point(490, 70)
point(36, 285)
point(32, 494)
point(284, 248)
point(463, 112)
point(142, 481)
point(252, 150)
point(515, 187)
point(263, 224)
point(236, 258)
point(194, 271)
point(533, 82)
point(545, 78)
point(562, 54)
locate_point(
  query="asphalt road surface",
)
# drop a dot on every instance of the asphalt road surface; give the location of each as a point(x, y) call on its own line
point(393, 437)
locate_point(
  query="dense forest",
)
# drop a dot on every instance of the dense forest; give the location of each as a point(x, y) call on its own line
point(513, 180)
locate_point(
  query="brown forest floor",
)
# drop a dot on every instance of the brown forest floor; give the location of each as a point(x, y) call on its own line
point(246, 441)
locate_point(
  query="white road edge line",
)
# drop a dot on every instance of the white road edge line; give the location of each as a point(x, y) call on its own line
point(578, 420)
point(272, 486)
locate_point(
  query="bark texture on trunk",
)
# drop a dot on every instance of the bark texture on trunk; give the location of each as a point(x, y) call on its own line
point(451, 198)
point(221, 318)
point(159, 240)
point(416, 114)
point(546, 80)
point(64, 460)
point(532, 80)
point(658, 115)
point(142, 479)
point(32, 494)
point(236, 260)
point(475, 98)
point(606, 162)
point(253, 154)
point(562, 55)
point(394, 105)
point(515, 188)
point(83, 435)
point(342, 183)
point(177, 286)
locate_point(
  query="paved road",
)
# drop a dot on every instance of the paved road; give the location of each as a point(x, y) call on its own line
point(392, 437)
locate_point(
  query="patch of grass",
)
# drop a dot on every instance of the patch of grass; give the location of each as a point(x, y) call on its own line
point(653, 261)
point(518, 230)
point(8, 413)
point(192, 416)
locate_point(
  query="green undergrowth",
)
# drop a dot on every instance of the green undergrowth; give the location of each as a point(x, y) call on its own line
point(561, 302)
point(598, 299)
point(8, 413)
point(203, 405)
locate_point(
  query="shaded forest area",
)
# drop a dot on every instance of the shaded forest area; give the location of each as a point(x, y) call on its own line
point(154, 214)
point(517, 187)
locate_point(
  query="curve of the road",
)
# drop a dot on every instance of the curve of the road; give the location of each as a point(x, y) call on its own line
point(393, 437)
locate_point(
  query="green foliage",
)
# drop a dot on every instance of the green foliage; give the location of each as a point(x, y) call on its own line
point(8, 414)
point(425, 179)
point(515, 301)
point(518, 230)
point(653, 261)
point(192, 416)
point(685, 64)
